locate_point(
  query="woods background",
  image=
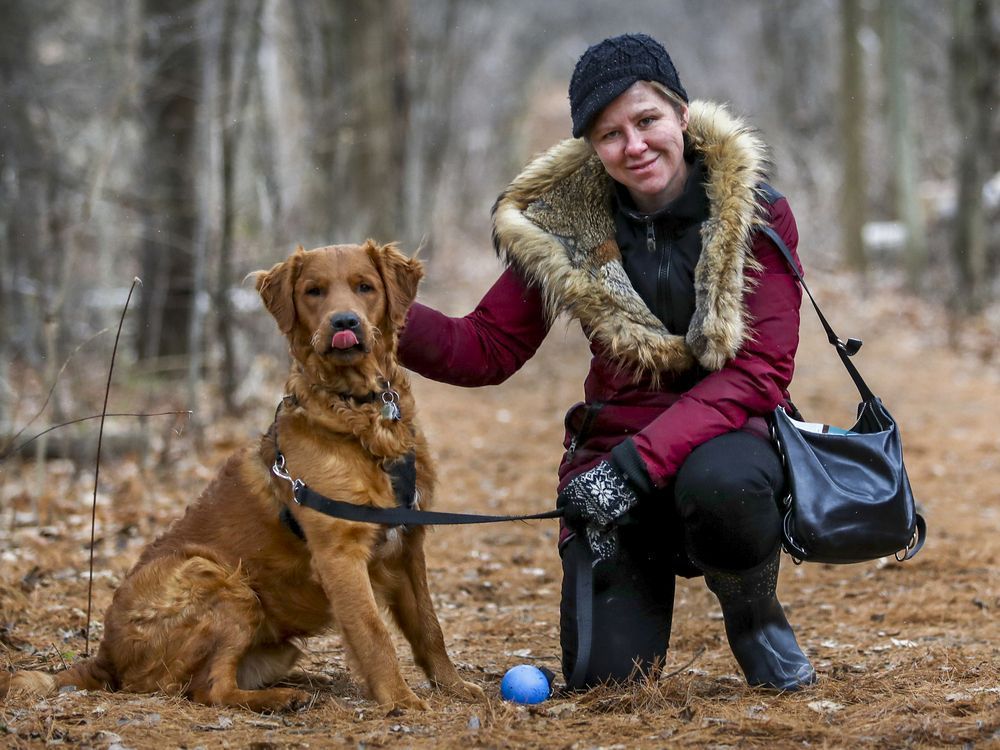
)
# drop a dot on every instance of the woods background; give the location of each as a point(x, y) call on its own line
point(189, 142)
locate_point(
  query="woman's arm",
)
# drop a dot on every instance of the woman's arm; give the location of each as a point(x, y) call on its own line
point(751, 384)
point(486, 346)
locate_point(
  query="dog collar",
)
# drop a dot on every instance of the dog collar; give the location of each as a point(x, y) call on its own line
point(389, 398)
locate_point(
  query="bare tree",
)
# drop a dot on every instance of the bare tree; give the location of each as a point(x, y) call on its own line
point(168, 109)
point(902, 137)
point(974, 84)
point(434, 72)
point(20, 154)
point(24, 180)
point(852, 102)
point(235, 86)
point(34, 216)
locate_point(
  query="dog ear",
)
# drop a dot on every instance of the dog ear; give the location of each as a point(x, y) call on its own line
point(400, 276)
point(277, 287)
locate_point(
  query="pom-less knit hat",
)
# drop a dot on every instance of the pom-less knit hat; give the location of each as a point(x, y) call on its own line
point(606, 69)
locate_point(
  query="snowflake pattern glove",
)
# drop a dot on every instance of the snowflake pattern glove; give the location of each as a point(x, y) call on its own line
point(597, 497)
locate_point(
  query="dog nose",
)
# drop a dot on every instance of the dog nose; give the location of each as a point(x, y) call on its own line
point(345, 321)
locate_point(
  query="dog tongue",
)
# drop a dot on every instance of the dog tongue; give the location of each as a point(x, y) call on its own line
point(344, 340)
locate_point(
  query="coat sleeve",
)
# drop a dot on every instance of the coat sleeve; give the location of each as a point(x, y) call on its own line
point(486, 346)
point(751, 384)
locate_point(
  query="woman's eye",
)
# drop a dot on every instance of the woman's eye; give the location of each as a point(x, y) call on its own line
point(646, 121)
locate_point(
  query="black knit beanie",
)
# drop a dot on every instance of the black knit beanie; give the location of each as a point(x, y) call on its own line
point(606, 69)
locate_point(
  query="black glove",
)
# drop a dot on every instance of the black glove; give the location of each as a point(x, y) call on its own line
point(597, 497)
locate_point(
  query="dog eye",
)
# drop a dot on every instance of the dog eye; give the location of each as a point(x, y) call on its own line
point(314, 291)
point(364, 287)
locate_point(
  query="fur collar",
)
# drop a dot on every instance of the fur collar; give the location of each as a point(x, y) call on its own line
point(554, 224)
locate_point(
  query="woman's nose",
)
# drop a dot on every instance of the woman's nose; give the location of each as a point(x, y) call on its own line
point(634, 144)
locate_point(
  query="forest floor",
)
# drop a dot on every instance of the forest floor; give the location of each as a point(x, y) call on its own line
point(908, 654)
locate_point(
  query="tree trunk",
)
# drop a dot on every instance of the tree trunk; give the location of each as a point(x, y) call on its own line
point(16, 145)
point(434, 75)
point(319, 82)
point(23, 184)
point(905, 169)
point(234, 89)
point(169, 107)
point(852, 97)
point(973, 85)
point(374, 41)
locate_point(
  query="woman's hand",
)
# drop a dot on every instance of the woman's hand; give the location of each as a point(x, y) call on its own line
point(596, 497)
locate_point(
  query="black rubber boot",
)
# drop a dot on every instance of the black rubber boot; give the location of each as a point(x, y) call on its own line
point(759, 634)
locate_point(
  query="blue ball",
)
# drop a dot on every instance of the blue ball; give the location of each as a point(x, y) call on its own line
point(525, 684)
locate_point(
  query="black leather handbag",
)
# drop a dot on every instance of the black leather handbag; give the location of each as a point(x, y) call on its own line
point(849, 499)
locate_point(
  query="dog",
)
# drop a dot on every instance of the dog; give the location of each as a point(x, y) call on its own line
point(216, 607)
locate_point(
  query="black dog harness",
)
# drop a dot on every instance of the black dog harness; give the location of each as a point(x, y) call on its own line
point(402, 474)
point(402, 471)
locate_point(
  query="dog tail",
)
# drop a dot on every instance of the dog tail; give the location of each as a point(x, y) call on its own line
point(89, 674)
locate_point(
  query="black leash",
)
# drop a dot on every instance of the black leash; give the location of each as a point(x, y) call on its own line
point(584, 616)
point(398, 516)
point(403, 475)
point(401, 515)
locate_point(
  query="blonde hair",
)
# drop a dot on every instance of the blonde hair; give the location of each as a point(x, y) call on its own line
point(672, 97)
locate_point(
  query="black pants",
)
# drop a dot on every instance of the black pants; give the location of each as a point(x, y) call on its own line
point(720, 513)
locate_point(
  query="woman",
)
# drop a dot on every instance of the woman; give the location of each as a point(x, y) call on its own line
point(645, 228)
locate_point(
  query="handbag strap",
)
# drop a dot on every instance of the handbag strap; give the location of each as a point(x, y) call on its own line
point(845, 350)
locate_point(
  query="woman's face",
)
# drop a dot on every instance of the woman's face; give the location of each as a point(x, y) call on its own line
point(639, 138)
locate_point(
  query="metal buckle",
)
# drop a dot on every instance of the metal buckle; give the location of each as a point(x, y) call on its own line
point(906, 550)
point(790, 547)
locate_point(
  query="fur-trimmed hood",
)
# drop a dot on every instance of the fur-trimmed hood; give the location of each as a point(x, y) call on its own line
point(554, 224)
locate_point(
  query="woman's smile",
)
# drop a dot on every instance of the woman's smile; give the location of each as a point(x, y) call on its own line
point(643, 166)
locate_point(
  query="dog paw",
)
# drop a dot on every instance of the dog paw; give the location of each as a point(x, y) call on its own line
point(299, 700)
point(466, 690)
point(285, 699)
point(410, 702)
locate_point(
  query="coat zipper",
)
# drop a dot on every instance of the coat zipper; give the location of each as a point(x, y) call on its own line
point(663, 272)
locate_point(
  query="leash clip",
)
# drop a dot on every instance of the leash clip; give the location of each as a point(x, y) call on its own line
point(278, 469)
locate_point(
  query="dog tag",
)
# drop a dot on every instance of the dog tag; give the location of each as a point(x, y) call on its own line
point(390, 411)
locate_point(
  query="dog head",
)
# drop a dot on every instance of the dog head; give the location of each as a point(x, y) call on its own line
point(341, 306)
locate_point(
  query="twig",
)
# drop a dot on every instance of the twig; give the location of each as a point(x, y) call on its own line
point(12, 451)
point(59, 654)
point(5, 452)
point(97, 463)
point(691, 661)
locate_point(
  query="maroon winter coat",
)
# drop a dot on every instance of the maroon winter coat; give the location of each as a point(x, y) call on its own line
point(667, 393)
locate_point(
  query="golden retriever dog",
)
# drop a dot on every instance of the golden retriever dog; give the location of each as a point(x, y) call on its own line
point(215, 608)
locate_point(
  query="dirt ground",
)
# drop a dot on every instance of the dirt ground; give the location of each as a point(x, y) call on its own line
point(908, 654)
